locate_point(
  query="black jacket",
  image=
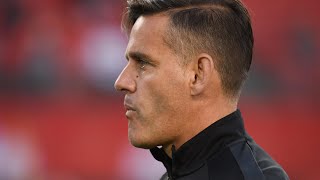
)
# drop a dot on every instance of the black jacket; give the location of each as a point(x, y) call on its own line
point(223, 151)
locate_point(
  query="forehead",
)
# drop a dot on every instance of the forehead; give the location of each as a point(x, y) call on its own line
point(147, 35)
point(158, 22)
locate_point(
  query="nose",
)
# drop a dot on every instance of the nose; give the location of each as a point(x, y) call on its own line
point(125, 81)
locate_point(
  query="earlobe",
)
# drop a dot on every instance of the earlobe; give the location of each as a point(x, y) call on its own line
point(202, 73)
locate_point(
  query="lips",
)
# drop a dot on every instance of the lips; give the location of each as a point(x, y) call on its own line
point(129, 107)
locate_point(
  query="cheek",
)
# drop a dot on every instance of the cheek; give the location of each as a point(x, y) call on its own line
point(161, 101)
point(163, 95)
point(172, 88)
point(155, 105)
point(165, 101)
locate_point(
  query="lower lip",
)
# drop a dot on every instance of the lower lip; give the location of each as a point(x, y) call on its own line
point(129, 113)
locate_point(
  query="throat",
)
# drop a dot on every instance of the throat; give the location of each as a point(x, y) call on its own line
point(168, 149)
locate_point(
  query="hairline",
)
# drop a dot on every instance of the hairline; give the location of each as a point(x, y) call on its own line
point(169, 31)
point(171, 28)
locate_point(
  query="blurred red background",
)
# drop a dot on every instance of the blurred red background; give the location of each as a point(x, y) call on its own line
point(61, 119)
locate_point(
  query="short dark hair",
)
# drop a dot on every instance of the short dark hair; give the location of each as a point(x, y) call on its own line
point(220, 28)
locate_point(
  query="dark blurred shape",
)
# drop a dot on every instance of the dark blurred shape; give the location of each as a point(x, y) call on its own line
point(12, 14)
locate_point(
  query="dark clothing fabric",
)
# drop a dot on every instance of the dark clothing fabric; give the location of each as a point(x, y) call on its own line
point(223, 151)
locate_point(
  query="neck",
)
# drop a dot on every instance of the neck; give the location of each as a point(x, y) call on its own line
point(199, 119)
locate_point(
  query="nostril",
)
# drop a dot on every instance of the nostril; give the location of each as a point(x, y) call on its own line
point(119, 88)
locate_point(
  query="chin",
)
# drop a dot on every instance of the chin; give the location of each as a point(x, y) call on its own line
point(140, 143)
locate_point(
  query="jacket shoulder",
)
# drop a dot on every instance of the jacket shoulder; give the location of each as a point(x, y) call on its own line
point(242, 162)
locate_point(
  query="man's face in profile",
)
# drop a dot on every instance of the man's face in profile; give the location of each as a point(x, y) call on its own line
point(155, 85)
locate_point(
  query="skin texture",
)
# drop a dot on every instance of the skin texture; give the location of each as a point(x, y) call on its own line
point(167, 103)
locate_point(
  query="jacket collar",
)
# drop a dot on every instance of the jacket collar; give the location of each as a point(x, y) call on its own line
point(193, 154)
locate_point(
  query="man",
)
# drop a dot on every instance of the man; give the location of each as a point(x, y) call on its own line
point(187, 62)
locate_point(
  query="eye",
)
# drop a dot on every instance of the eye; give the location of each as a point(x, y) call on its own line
point(142, 63)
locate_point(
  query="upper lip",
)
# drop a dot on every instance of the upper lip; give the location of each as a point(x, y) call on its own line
point(128, 105)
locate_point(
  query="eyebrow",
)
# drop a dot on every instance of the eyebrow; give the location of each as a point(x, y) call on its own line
point(138, 55)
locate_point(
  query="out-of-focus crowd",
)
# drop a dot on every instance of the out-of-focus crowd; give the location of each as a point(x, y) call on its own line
point(53, 45)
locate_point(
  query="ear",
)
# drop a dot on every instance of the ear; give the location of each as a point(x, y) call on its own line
point(203, 70)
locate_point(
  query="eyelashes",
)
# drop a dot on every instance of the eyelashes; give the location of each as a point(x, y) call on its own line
point(140, 60)
point(142, 63)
